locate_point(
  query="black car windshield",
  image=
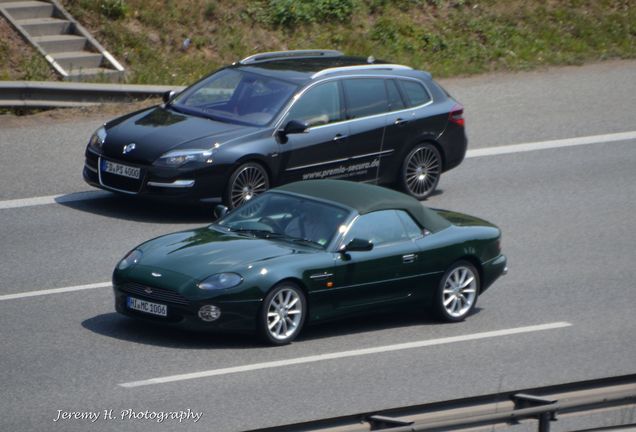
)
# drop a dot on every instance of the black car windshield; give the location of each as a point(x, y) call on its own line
point(287, 217)
point(236, 96)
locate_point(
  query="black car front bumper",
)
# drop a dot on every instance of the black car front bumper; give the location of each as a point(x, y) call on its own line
point(199, 185)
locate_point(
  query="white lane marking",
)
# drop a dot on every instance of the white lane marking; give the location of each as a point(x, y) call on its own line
point(54, 291)
point(53, 199)
point(344, 354)
point(545, 145)
point(488, 151)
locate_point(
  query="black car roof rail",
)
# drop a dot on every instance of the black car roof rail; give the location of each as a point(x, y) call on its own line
point(273, 55)
point(360, 68)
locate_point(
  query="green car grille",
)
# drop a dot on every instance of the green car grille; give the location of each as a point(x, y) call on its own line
point(154, 293)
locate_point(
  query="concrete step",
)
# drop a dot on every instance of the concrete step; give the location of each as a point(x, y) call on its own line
point(61, 43)
point(28, 9)
point(98, 74)
point(45, 26)
point(76, 60)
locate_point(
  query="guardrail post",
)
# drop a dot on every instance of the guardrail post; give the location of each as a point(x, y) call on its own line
point(527, 401)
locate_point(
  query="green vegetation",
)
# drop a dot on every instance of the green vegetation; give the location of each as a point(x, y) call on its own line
point(445, 37)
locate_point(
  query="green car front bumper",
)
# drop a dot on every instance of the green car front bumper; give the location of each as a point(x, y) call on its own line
point(239, 316)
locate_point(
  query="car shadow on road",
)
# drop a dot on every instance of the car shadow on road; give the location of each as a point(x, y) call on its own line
point(371, 323)
point(142, 210)
point(433, 194)
point(136, 331)
point(146, 333)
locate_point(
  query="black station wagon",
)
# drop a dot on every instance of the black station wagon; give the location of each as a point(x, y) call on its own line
point(279, 117)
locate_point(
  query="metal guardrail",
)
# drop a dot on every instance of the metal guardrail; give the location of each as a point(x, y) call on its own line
point(542, 404)
point(45, 94)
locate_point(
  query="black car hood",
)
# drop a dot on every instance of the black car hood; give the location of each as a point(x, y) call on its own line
point(158, 130)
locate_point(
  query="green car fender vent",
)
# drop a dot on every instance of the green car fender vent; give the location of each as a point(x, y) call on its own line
point(154, 293)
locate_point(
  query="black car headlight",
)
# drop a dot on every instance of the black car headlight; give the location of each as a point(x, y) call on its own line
point(220, 281)
point(97, 139)
point(177, 158)
point(130, 260)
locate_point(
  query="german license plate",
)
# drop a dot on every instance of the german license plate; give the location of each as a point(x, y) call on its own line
point(147, 307)
point(121, 170)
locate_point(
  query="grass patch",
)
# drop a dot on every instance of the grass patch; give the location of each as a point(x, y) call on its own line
point(445, 37)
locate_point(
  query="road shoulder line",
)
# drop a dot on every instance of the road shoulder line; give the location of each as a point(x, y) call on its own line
point(345, 354)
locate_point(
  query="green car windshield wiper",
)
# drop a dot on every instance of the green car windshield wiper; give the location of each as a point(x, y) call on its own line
point(255, 232)
point(302, 240)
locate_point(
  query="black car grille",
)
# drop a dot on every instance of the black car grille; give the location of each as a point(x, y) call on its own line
point(121, 183)
point(159, 294)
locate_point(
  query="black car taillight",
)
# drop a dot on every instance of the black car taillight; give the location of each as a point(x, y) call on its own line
point(457, 115)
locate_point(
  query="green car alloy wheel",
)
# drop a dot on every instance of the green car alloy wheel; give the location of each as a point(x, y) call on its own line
point(283, 314)
point(457, 292)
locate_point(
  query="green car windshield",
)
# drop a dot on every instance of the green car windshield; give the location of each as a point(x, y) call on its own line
point(288, 217)
point(236, 96)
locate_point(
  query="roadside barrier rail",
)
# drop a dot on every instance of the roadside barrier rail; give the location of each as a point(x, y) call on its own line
point(53, 94)
point(542, 404)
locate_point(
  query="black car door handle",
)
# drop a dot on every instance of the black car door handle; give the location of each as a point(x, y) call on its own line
point(400, 122)
point(339, 137)
point(409, 258)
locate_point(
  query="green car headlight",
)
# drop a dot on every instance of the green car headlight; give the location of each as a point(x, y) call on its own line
point(97, 139)
point(220, 281)
point(176, 158)
point(130, 260)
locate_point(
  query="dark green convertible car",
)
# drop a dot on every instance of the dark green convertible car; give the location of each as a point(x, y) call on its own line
point(311, 251)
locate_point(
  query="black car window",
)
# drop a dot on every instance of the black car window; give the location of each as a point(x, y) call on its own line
point(365, 97)
point(318, 106)
point(380, 227)
point(415, 92)
point(395, 99)
point(412, 229)
point(236, 96)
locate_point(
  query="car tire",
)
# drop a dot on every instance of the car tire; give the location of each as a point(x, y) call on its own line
point(457, 293)
point(421, 170)
point(283, 314)
point(246, 182)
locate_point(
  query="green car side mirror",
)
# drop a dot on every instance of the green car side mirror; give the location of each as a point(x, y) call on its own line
point(357, 245)
point(220, 211)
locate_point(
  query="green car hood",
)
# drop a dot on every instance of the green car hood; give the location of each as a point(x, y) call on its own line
point(200, 253)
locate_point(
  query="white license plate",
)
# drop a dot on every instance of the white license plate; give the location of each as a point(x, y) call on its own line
point(119, 169)
point(147, 307)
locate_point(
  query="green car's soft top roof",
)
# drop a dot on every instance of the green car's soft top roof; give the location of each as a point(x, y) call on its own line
point(366, 198)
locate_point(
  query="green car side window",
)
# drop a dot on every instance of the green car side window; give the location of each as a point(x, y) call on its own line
point(380, 227)
point(413, 230)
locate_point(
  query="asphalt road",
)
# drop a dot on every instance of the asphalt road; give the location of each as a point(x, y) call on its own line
point(568, 217)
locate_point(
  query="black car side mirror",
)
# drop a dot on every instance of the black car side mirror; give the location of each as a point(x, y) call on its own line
point(168, 95)
point(292, 127)
point(220, 211)
point(357, 245)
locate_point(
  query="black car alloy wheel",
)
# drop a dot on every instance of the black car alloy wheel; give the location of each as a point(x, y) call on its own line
point(283, 314)
point(421, 170)
point(247, 181)
point(457, 292)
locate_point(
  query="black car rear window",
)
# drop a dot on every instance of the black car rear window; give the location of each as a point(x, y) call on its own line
point(365, 97)
point(414, 92)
